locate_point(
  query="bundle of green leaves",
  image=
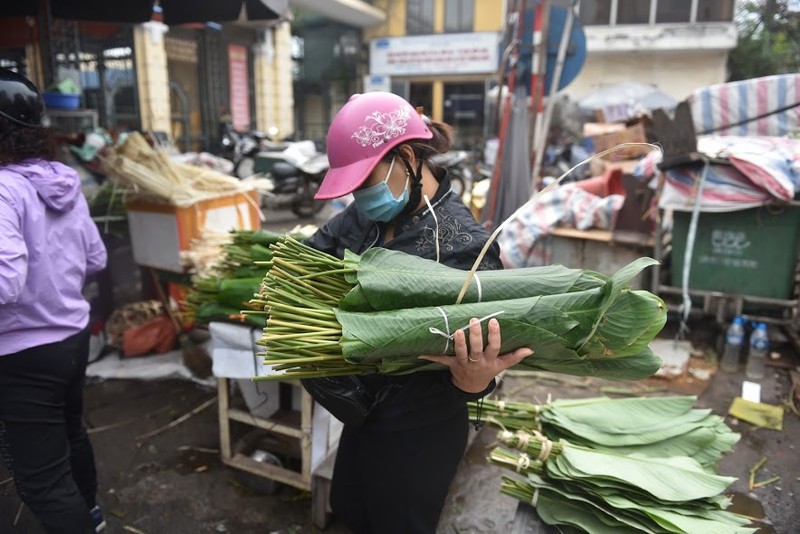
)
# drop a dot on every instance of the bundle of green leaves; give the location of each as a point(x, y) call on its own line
point(647, 426)
point(235, 279)
point(378, 312)
point(608, 489)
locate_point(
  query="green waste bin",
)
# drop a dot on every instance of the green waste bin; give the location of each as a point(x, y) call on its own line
point(750, 252)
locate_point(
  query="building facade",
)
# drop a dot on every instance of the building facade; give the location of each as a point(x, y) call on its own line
point(675, 45)
point(442, 55)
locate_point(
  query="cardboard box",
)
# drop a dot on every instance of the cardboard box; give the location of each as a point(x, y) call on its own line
point(605, 136)
point(160, 232)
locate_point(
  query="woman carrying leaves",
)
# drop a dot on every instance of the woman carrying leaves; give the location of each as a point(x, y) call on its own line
point(404, 435)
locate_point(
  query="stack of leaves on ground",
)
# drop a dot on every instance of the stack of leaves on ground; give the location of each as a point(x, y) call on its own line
point(649, 426)
point(376, 313)
point(617, 465)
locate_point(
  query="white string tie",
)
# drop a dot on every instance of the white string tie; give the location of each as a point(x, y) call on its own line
point(449, 336)
point(480, 288)
point(523, 463)
point(436, 224)
point(535, 498)
point(547, 446)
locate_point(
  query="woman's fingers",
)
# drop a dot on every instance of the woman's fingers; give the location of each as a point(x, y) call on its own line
point(475, 340)
point(477, 358)
point(460, 343)
point(493, 340)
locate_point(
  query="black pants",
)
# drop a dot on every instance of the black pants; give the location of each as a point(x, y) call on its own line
point(396, 482)
point(42, 438)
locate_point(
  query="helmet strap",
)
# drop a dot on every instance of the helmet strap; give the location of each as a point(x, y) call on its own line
point(415, 192)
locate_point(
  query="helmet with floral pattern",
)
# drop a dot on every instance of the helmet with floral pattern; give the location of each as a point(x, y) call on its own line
point(367, 127)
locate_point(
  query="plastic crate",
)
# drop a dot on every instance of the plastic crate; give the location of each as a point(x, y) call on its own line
point(748, 252)
point(61, 100)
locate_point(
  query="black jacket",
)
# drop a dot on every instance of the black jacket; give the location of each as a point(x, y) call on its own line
point(423, 397)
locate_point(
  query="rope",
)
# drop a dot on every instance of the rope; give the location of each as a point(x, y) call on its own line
point(449, 336)
point(526, 206)
point(547, 446)
point(523, 462)
point(522, 440)
point(686, 300)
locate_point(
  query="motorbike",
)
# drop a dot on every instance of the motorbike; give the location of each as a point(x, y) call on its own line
point(457, 163)
point(294, 175)
point(240, 148)
point(291, 170)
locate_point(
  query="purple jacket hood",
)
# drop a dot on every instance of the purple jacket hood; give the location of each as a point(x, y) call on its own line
point(57, 184)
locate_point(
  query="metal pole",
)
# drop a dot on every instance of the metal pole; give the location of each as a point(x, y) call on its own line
point(538, 64)
point(512, 79)
point(554, 82)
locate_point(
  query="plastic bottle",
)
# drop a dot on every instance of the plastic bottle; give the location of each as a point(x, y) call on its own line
point(734, 338)
point(759, 347)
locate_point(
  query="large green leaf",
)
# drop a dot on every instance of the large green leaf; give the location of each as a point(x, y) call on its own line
point(668, 479)
point(606, 412)
point(553, 507)
point(554, 510)
point(553, 325)
point(677, 520)
point(388, 279)
point(618, 282)
point(237, 292)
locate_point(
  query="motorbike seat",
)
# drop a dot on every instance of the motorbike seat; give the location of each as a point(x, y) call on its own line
point(281, 170)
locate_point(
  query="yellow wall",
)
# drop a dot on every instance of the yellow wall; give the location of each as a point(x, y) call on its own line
point(273, 82)
point(395, 23)
point(438, 16)
point(489, 15)
point(152, 77)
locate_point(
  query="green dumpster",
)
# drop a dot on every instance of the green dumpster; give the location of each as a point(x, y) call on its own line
point(750, 252)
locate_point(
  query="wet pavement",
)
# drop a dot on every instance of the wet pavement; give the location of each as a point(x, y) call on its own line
point(172, 481)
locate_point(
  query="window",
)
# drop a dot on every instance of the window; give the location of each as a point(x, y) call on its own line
point(596, 12)
point(459, 15)
point(419, 17)
point(673, 11)
point(714, 10)
point(464, 110)
point(633, 12)
point(421, 95)
point(607, 12)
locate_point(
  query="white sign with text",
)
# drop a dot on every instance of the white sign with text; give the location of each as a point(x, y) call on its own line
point(447, 53)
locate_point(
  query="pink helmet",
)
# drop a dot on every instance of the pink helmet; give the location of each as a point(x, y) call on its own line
point(361, 134)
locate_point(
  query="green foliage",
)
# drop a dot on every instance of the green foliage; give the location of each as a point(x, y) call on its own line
point(769, 39)
point(380, 311)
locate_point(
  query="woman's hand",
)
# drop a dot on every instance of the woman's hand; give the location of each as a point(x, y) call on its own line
point(474, 368)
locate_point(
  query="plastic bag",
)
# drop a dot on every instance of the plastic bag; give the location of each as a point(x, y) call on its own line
point(155, 336)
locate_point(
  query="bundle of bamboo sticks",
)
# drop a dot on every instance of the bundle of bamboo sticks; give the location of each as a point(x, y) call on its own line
point(149, 171)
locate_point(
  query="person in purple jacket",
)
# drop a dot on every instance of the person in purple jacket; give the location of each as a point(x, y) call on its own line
point(48, 245)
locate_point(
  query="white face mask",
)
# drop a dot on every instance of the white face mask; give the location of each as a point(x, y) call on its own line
point(378, 202)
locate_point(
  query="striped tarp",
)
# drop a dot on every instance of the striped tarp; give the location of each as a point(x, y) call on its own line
point(727, 109)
